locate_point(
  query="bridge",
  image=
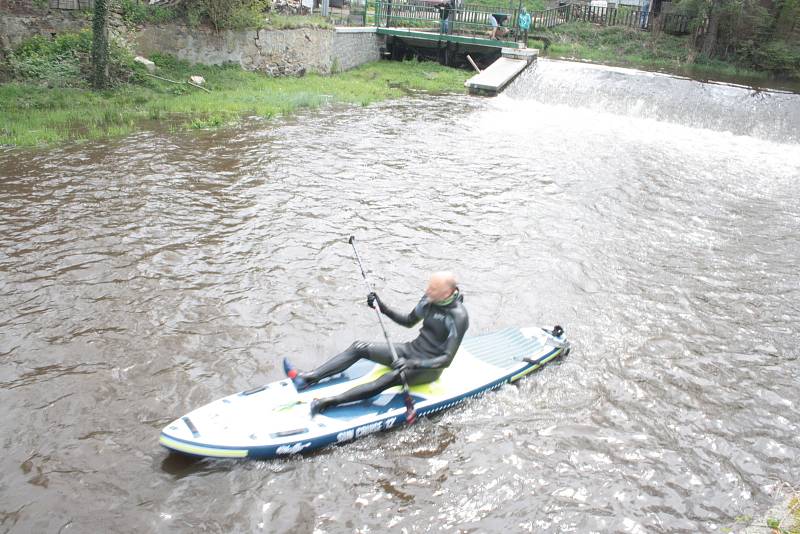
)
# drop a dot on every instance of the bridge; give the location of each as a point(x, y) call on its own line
point(438, 30)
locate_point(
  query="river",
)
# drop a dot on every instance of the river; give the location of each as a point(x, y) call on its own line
point(655, 218)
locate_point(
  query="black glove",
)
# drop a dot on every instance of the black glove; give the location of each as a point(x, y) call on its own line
point(372, 298)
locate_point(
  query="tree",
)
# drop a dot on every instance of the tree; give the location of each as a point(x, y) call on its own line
point(100, 44)
point(710, 38)
point(788, 19)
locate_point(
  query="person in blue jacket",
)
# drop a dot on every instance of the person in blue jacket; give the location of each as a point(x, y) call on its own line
point(524, 24)
point(444, 322)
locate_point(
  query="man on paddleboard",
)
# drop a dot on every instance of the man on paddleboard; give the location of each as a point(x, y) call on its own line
point(444, 322)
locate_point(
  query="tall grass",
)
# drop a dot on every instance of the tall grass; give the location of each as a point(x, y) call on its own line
point(36, 115)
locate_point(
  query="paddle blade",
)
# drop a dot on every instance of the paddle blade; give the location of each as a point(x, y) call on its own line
point(411, 413)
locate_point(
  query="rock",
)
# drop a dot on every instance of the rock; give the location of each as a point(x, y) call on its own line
point(149, 65)
point(197, 80)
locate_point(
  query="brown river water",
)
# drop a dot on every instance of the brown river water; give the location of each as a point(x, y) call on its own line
point(655, 218)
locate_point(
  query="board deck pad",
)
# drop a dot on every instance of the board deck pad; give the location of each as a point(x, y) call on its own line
point(274, 419)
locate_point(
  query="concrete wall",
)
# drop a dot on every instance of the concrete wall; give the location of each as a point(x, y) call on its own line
point(275, 52)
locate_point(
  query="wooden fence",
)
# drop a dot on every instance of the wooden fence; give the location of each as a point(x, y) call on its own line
point(610, 16)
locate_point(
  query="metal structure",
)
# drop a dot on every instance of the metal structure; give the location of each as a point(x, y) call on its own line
point(443, 31)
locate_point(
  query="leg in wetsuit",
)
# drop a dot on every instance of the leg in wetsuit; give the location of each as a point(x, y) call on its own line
point(378, 353)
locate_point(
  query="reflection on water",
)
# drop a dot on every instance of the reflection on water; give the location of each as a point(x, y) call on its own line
point(143, 277)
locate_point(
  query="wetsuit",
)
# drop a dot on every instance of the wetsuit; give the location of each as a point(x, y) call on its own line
point(443, 327)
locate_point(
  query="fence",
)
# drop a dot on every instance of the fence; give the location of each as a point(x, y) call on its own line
point(71, 4)
point(426, 14)
point(625, 16)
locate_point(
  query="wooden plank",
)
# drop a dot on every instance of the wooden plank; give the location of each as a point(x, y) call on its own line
point(493, 79)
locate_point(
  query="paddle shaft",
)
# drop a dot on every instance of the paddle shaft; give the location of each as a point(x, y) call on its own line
point(378, 313)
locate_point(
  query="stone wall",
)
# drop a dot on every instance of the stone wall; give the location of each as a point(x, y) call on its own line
point(15, 28)
point(352, 47)
point(275, 52)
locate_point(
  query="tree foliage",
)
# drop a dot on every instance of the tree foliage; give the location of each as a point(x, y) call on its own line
point(760, 34)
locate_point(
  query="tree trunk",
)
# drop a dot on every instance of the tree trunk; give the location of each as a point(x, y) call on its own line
point(710, 38)
point(788, 19)
point(100, 44)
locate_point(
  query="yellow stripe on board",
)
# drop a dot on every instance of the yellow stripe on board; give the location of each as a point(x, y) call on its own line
point(535, 367)
point(201, 451)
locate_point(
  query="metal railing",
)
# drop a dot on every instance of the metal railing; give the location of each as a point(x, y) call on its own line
point(428, 16)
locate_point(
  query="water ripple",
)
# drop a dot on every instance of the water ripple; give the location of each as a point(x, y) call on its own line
point(143, 277)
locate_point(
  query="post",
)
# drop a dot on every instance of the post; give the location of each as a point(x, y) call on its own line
point(325, 8)
point(471, 62)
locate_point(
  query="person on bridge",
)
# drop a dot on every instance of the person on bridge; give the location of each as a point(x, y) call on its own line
point(524, 24)
point(446, 9)
point(444, 322)
point(496, 22)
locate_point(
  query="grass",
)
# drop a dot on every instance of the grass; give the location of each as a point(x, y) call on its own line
point(628, 47)
point(787, 523)
point(792, 517)
point(32, 114)
point(248, 15)
point(291, 22)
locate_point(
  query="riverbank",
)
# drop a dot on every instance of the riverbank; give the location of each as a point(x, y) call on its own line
point(32, 114)
point(626, 47)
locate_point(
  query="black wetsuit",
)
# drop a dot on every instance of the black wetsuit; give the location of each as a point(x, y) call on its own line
point(443, 328)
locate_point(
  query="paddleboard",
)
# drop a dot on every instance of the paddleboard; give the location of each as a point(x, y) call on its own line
point(274, 420)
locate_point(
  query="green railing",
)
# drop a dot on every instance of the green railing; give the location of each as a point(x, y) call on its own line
point(439, 17)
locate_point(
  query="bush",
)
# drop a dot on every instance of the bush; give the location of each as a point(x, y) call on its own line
point(778, 57)
point(235, 14)
point(134, 12)
point(64, 61)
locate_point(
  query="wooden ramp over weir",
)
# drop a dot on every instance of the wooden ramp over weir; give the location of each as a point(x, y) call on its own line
point(498, 75)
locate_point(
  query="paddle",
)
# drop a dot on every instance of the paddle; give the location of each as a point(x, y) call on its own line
point(411, 413)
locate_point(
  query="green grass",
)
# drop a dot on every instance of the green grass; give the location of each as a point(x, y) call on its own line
point(787, 523)
point(627, 47)
point(790, 522)
point(247, 15)
point(36, 115)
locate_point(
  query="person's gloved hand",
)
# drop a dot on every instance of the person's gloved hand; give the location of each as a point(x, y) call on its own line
point(372, 298)
point(405, 364)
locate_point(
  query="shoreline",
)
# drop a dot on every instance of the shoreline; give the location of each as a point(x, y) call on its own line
point(32, 115)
